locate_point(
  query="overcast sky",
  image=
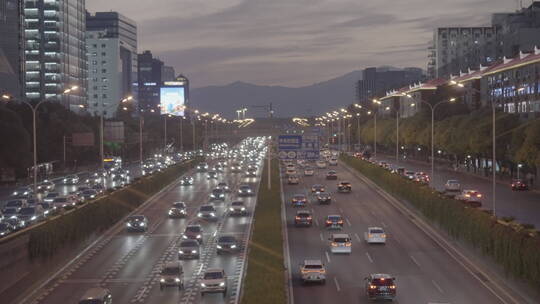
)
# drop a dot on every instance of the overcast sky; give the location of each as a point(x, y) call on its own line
point(293, 42)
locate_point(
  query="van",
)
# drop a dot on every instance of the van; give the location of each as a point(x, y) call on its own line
point(96, 296)
point(172, 274)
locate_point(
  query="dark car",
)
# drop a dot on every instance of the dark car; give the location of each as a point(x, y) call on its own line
point(178, 210)
point(331, 175)
point(137, 223)
point(299, 200)
point(217, 194)
point(227, 244)
point(324, 198)
point(186, 181)
point(237, 208)
point(202, 167)
point(212, 175)
point(344, 187)
point(189, 249)
point(380, 287)
point(207, 212)
point(334, 222)
point(6, 228)
point(245, 190)
point(303, 218)
point(519, 185)
point(193, 232)
point(317, 188)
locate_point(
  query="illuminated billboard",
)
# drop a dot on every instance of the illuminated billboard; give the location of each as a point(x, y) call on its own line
point(172, 101)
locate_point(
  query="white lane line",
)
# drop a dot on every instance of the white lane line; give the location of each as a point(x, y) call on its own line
point(337, 284)
point(369, 257)
point(396, 239)
point(358, 238)
point(317, 222)
point(322, 237)
point(348, 223)
point(200, 269)
point(384, 224)
point(437, 286)
point(327, 256)
point(341, 210)
point(415, 261)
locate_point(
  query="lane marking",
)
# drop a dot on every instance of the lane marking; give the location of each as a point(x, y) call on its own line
point(337, 284)
point(317, 222)
point(348, 223)
point(322, 237)
point(384, 224)
point(358, 238)
point(327, 256)
point(369, 257)
point(341, 210)
point(437, 286)
point(415, 261)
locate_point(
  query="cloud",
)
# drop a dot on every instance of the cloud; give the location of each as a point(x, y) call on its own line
point(292, 42)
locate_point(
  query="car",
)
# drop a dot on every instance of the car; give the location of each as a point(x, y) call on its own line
point(65, 202)
point(202, 167)
point(519, 184)
point(321, 164)
point(45, 186)
point(218, 168)
point(409, 174)
point(375, 235)
point(331, 175)
point(290, 172)
point(48, 208)
point(211, 175)
point(217, 194)
point(236, 168)
point(22, 191)
point(70, 180)
point(223, 186)
point(317, 188)
point(380, 286)
point(452, 188)
point(290, 167)
point(137, 223)
point(189, 249)
point(227, 244)
point(421, 177)
point(313, 271)
point(333, 162)
point(10, 212)
point(303, 218)
point(214, 280)
point(344, 187)
point(96, 295)
point(193, 232)
point(31, 215)
point(89, 194)
point(245, 190)
point(308, 171)
point(334, 221)
point(324, 198)
point(251, 172)
point(178, 210)
point(98, 188)
point(207, 212)
point(237, 208)
point(186, 181)
point(293, 180)
point(16, 203)
point(472, 198)
point(49, 198)
point(299, 200)
point(172, 274)
point(340, 243)
point(6, 228)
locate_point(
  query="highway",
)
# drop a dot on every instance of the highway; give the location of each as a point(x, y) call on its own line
point(129, 264)
point(523, 205)
point(424, 272)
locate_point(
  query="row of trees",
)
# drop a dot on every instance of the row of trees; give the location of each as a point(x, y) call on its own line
point(54, 122)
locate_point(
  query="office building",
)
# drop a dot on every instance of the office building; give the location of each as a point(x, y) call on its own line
point(10, 55)
point(377, 81)
point(456, 49)
point(112, 61)
point(150, 72)
point(54, 51)
point(168, 74)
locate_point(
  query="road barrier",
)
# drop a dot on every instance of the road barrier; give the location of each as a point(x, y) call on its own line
point(265, 277)
point(513, 246)
point(45, 240)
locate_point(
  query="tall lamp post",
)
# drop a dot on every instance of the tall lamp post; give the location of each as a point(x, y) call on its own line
point(34, 109)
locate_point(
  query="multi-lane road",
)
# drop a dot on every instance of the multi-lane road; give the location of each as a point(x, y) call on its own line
point(424, 272)
point(129, 264)
point(523, 205)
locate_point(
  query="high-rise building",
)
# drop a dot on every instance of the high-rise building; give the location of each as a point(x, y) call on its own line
point(150, 79)
point(167, 74)
point(112, 61)
point(10, 54)
point(54, 51)
point(377, 81)
point(457, 49)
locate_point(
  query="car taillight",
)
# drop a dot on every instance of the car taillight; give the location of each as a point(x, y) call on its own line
point(392, 286)
point(372, 287)
point(309, 218)
point(340, 222)
point(329, 222)
point(297, 218)
point(334, 244)
point(348, 244)
point(479, 195)
point(467, 195)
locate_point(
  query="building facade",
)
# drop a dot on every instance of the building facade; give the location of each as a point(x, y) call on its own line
point(10, 54)
point(54, 51)
point(150, 71)
point(168, 74)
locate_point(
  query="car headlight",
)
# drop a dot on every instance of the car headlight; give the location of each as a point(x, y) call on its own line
point(198, 236)
point(176, 280)
point(33, 218)
point(128, 224)
point(218, 246)
point(233, 246)
point(162, 280)
point(249, 191)
point(170, 212)
point(212, 214)
point(212, 196)
point(243, 209)
point(222, 284)
point(180, 251)
point(184, 236)
point(203, 285)
point(193, 251)
point(199, 214)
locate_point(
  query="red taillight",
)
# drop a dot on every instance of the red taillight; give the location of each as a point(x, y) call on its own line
point(329, 222)
point(479, 195)
point(297, 218)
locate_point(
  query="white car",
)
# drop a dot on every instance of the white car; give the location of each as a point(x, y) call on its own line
point(313, 271)
point(333, 162)
point(214, 280)
point(321, 164)
point(290, 172)
point(293, 180)
point(375, 235)
point(452, 185)
point(309, 171)
point(340, 243)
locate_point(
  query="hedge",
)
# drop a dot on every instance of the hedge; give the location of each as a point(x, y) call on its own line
point(99, 215)
point(265, 276)
point(512, 246)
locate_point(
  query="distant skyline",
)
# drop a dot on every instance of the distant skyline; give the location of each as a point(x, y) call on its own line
point(293, 42)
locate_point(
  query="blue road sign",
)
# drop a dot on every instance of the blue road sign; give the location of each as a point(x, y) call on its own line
point(290, 142)
point(298, 147)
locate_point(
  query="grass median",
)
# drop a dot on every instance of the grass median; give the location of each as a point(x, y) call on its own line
point(265, 277)
point(515, 247)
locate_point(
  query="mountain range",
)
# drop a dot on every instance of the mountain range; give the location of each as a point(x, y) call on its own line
point(286, 102)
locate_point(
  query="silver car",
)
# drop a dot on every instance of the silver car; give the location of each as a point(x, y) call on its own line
point(189, 249)
point(214, 280)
